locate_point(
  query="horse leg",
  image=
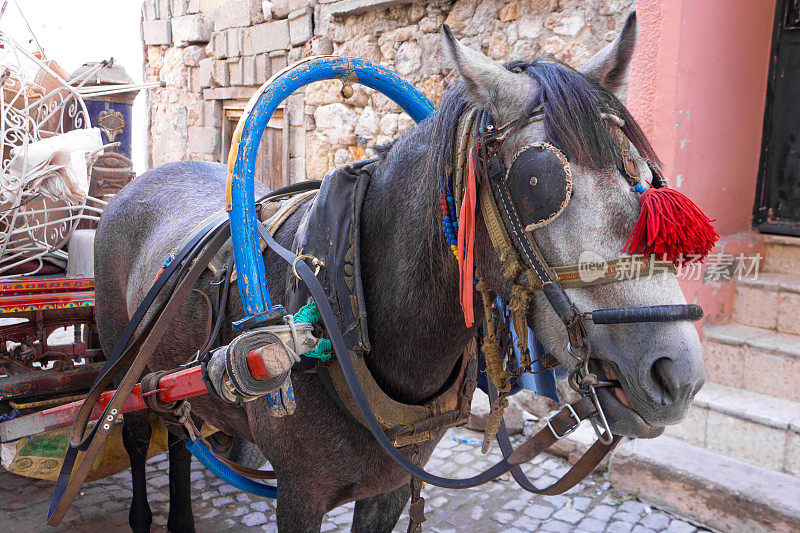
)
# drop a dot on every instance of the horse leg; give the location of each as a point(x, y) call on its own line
point(181, 518)
point(296, 510)
point(380, 512)
point(136, 438)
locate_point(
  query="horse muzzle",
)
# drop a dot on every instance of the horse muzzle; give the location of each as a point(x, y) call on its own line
point(642, 397)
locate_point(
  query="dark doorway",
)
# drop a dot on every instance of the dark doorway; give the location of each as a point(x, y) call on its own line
point(777, 208)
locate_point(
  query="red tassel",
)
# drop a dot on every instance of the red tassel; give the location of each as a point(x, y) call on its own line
point(672, 227)
point(466, 242)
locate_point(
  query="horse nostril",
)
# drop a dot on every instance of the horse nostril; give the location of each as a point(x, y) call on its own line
point(697, 387)
point(661, 375)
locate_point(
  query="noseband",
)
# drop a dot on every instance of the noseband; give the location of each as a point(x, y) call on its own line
point(529, 194)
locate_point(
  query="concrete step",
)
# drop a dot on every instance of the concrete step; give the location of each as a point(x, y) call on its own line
point(781, 254)
point(755, 428)
point(707, 488)
point(754, 359)
point(770, 301)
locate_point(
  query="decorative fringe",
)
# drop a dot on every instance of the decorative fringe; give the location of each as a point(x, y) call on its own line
point(491, 344)
point(466, 242)
point(493, 424)
point(672, 227)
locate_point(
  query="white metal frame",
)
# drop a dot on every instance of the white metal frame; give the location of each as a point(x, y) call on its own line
point(34, 222)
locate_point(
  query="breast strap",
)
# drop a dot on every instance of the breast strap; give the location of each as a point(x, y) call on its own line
point(403, 423)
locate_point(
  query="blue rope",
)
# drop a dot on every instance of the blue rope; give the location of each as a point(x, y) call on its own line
point(224, 472)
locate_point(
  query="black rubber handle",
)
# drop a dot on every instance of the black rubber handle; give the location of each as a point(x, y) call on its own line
point(656, 313)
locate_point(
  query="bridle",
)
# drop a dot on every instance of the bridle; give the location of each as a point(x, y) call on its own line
point(529, 272)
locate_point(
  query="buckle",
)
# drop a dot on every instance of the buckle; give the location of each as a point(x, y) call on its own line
point(569, 430)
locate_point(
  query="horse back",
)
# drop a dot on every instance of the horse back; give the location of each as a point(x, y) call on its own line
point(142, 225)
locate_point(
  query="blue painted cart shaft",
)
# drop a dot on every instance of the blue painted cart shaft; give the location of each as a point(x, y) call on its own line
point(246, 138)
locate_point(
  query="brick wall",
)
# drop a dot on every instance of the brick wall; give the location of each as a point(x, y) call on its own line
point(213, 52)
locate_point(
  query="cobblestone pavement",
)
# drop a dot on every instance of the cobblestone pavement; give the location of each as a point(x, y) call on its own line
point(592, 506)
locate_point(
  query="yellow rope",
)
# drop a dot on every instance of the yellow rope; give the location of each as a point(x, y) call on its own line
point(491, 344)
point(498, 234)
point(520, 302)
point(493, 424)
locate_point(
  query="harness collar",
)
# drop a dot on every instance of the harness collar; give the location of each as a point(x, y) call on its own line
point(330, 234)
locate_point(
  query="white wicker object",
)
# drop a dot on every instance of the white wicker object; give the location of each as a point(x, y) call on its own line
point(46, 145)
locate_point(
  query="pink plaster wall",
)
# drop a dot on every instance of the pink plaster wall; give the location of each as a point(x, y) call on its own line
point(698, 88)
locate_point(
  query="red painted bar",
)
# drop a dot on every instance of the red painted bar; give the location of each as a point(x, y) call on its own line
point(40, 302)
point(48, 285)
point(255, 364)
point(180, 385)
point(19, 295)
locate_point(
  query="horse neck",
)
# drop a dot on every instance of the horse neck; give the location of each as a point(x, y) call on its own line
point(410, 277)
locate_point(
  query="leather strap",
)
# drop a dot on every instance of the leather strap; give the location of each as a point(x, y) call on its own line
point(69, 481)
point(588, 462)
point(611, 271)
point(528, 251)
point(149, 393)
point(291, 189)
point(239, 469)
point(562, 422)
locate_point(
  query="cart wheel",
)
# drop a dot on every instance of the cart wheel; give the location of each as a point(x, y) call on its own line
point(236, 449)
point(248, 454)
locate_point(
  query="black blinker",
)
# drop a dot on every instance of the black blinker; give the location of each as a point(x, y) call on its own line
point(540, 184)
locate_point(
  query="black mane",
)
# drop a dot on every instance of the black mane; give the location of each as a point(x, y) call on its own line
point(572, 104)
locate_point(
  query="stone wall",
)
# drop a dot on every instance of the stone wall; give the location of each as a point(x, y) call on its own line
point(208, 52)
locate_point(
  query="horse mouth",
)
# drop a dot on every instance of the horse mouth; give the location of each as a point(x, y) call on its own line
point(622, 416)
point(617, 389)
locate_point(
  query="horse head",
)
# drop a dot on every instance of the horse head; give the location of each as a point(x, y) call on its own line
point(656, 367)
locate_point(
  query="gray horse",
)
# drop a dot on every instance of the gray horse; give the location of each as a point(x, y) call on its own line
point(322, 457)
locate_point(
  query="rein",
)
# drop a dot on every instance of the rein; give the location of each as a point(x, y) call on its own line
point(559, 425)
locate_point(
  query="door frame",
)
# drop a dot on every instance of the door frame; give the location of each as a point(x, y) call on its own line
point(232, 111)
point(761, 220)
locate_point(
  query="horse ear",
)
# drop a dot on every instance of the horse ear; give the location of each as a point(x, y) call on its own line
point(609, 66)
point(488, 82)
